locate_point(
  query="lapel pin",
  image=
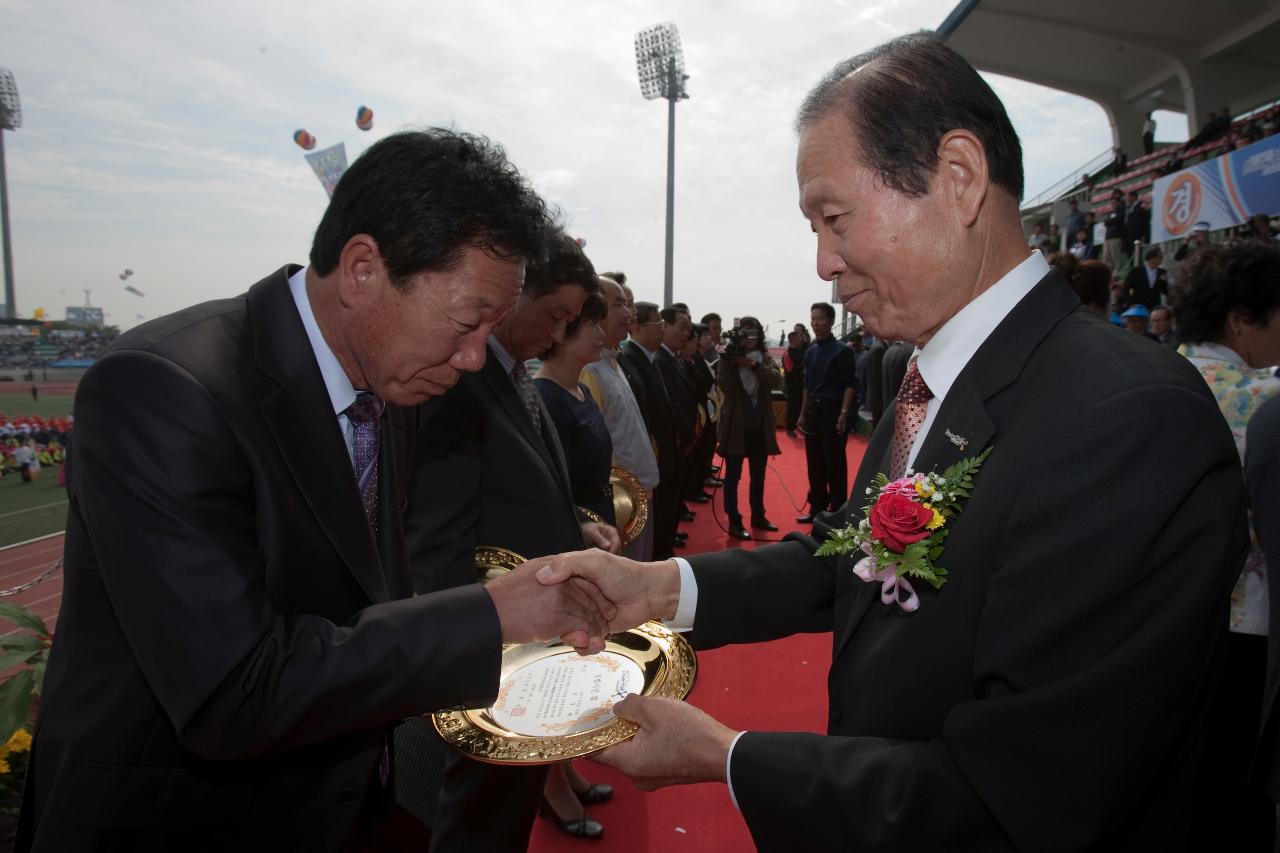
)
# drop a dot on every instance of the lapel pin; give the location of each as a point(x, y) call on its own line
point(958, 441)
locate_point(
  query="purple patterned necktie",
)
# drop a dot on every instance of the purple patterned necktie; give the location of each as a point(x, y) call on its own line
point(364, 414)
point(913, 402)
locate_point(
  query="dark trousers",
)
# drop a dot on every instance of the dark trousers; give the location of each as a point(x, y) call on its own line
point(438, 787)
point(666, 510)
point(1240, 816)
point(465, 818)
point(756, 459)
point(1148, 142)
point(825, 454)
point(795, 396)
point(700, 461)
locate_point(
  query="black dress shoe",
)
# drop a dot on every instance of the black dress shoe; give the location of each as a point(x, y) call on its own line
point(737, 531)
point(680, 543)
point(687, 515)
point(763, 524)
point(583, 827)
point(594, 794)
point(713, 482)
point(700, 498)
point(805, 519)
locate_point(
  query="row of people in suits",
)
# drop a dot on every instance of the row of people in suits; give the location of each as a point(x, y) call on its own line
point(672, 385)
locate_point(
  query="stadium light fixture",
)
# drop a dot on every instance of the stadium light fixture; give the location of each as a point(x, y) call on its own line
point(660, 64)
point(10, 119)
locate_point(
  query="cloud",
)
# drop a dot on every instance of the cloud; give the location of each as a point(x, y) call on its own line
point(158, 134)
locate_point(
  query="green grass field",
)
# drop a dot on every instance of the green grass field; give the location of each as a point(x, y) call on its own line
point(47, 406)
point(28, 510)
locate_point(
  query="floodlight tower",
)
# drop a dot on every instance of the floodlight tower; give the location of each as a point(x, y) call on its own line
point(10, 119)
point(660, 63)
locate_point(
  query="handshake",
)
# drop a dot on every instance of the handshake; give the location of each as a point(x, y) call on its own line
point(582, 597)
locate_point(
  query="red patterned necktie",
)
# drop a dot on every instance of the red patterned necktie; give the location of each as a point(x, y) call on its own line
point(913, 401)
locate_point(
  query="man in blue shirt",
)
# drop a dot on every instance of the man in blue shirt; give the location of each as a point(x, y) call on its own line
point(830, 370)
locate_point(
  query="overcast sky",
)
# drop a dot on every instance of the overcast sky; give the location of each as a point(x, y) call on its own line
point(157, 136)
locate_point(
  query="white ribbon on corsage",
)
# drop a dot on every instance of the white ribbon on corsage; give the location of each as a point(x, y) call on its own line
point(892, 587)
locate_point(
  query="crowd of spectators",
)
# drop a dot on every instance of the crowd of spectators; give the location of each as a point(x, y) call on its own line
point(29, 352)
point(1218, 127)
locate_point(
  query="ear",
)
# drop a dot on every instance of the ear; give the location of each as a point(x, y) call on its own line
point(963, 170)
point(360, 270)
point(1235, 323)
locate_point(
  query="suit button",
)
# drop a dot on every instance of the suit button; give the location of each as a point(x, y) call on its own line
point(835, 714)
point(347, 796)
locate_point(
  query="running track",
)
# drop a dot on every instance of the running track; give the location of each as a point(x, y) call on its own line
point(26, 561)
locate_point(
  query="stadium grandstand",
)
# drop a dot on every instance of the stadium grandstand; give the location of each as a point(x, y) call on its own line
point(27, 346)
point(1217, 63)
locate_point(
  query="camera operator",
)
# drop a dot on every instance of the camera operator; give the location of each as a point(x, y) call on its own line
point(746, 374)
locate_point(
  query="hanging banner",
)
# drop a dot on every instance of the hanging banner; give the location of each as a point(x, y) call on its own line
point(329, 164)
point(1222, 192)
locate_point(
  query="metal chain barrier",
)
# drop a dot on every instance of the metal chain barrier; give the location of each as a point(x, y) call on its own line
point(44, 576)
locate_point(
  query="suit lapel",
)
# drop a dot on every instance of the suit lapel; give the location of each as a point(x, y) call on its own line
point(299, 415)
point(393, 464)
point(874, 461)
point(505, 391)
point(961, 420)
point(963, 413)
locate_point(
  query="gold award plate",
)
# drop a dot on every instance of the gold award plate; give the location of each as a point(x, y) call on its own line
point(554, 704)
point(630, 504)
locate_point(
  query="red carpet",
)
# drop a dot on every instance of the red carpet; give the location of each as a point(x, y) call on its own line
point(779, 686)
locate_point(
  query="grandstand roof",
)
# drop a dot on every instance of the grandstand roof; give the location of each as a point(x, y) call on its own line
point(1130, 56)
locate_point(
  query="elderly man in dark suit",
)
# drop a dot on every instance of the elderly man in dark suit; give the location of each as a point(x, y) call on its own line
point(637, 359)
point(676, 330)
point(1056, 692)
point(1146, 284)
point(237, 636)
point(490, 470)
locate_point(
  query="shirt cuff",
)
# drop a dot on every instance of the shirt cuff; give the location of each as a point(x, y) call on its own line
point(728, 777)
point(688, 605)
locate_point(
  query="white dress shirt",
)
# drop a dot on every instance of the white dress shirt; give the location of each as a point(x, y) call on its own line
point(947, 353)
point(940, 362)
point(622, 417)
point(341, 392)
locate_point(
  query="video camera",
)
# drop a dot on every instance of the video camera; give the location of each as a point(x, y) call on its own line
point(737, 341)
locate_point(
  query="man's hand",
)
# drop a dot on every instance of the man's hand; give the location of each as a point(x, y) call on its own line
point(603, 536)
point(842, 423)
point(638, 591)
point(532, 609)
point(677, 744)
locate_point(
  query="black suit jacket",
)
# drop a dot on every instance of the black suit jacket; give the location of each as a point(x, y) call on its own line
point(1138, 291)
point(1262, 472)
point(229, 654)
point(484, 476)
point(1054, 693)
point(893, 369)
point(655, 404)
point(683, 396)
